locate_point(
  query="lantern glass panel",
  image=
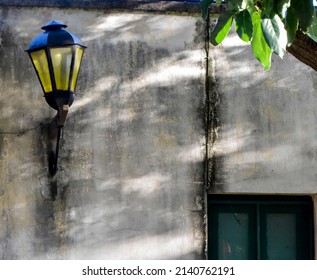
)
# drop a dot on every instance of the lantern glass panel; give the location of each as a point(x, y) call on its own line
point(78, 56)
point(41, 65)
point(61, 61)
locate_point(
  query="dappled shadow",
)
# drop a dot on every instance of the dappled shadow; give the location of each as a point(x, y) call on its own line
point(266, 124)
point(131, 173)
point(140, 127)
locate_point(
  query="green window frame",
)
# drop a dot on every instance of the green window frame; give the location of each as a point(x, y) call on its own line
point(260, 227)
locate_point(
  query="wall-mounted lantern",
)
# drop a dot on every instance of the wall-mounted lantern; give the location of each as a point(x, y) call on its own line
point(56, 55)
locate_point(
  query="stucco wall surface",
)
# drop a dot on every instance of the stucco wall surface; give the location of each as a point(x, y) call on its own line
point(130, 178)
point(266, 123)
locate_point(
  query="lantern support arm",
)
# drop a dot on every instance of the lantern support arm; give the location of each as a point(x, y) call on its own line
point(55, 134)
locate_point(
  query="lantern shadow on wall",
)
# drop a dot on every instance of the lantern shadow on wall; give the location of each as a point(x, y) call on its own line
point(56, 55)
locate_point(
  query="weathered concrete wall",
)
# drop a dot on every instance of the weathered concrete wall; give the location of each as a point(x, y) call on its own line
point(130, 179)
point(266, 123)
point(130, 183)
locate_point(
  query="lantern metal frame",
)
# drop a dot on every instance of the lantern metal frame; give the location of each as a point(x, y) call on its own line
point(56, 55)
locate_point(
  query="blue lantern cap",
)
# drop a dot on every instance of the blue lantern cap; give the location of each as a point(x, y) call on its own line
point(53, 36)
point(53, 24)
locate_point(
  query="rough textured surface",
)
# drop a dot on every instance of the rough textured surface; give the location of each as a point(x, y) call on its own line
point(266, 124)
point(130, 183)
point(148, 5)
point(156, 6)
point(130, 179)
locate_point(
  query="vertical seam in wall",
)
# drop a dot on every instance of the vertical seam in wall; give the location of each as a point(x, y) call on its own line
point(207, 132)
point(207, 100)
point(315, 224)
point(212, 100)
point(211, 123)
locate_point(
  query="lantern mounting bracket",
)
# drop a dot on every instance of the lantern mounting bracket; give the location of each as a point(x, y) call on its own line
point(55, 134)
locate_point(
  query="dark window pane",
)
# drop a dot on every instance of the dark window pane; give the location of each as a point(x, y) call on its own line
point(280, 236)
point(232, 232)
point(286, 232)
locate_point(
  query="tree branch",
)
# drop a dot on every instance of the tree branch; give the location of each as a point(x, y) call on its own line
point(304, 49)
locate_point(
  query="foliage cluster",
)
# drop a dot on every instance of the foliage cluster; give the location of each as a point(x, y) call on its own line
point(269, 25)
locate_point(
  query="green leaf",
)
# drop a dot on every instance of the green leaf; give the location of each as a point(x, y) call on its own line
point(282, 6)
point(218, 2)
point(304, 11)
point(222, 28)
point(275, 34)
point(245, 4)
point(239, 4)
point(252, 9)
point(204, 5)
point(260, 48)
point(291, 25)
point(244, 25)
point(312, 30)
point(267, 7)
point(235, 4)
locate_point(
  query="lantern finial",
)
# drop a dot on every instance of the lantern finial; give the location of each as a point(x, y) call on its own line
point(53, 24)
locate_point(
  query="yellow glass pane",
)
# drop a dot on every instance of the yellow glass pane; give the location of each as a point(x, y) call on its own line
point(61, 60)
point(78, 57)
point(40, 62)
